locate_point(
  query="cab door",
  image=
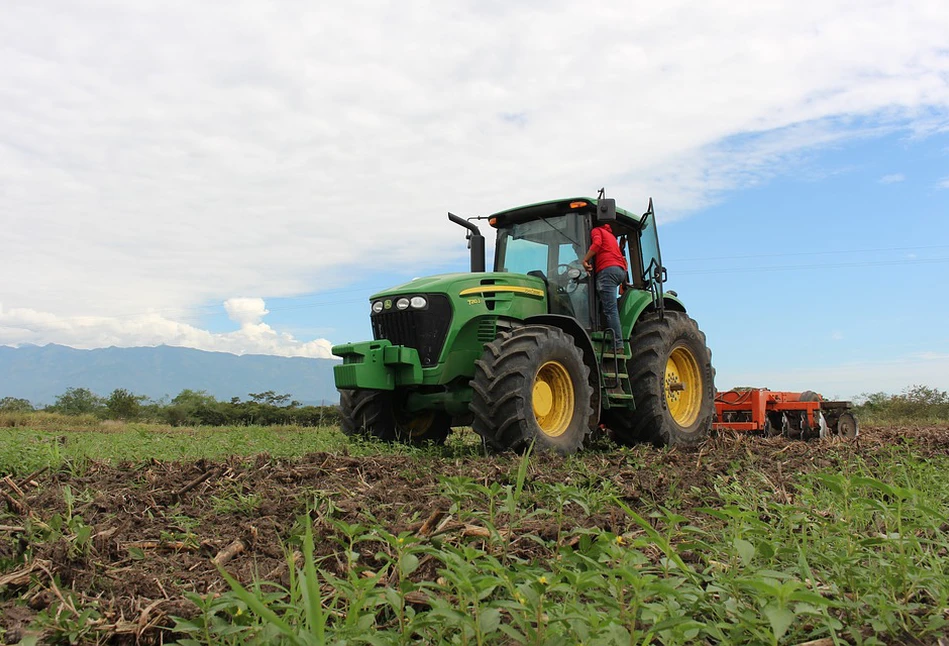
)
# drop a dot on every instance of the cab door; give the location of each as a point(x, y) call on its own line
point(654, 274)
point(575, 292)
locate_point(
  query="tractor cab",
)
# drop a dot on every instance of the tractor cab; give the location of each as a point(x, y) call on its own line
point(548, 240)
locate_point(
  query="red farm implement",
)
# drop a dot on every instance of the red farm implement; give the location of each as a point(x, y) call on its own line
point(797, 415)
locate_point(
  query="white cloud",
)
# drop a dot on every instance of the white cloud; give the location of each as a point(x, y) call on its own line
point(246, 311)
point(22, 325)
point(165, 155)
point(944, 183)
point(932, 356)
point(892, 179)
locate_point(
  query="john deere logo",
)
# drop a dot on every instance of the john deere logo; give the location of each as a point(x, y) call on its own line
point(387, 305)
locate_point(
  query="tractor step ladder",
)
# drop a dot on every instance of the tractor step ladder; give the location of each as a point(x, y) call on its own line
point(614, 376)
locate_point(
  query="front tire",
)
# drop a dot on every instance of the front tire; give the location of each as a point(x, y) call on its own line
point(531, 384)
point(672, 381)
point(376, 414)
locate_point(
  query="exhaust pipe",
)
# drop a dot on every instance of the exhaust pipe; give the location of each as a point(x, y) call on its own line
point(475, 242)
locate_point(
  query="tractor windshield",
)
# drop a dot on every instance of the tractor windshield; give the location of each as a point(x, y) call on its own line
point(551, 249)
point(540, 245)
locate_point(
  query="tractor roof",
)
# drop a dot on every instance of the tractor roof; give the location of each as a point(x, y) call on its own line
point(551, 208)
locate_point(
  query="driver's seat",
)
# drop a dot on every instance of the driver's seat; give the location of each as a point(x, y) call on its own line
point(557, 298)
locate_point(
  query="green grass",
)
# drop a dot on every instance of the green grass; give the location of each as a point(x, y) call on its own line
point(54, 421)
point(868, 417)
point(857, 555)
point(24, 450)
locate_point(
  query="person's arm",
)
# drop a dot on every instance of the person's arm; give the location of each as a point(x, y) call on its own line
point(587, 258)
point(596, 240)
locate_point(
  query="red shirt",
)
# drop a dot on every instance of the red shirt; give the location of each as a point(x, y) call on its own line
point(603, 244)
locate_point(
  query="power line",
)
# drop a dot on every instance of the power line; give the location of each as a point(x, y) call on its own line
point(808, 253)
point(821, 266)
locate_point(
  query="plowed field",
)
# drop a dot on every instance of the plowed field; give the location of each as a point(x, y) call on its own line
point(131, 540)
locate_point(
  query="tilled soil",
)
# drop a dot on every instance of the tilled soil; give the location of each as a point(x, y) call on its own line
point(157, 528)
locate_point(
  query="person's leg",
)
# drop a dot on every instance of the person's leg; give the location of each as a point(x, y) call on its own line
point(606, 283)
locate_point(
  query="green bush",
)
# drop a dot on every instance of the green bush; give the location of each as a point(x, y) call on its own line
point(919, 404)
point(189, 408)
point(15, 405)
point(123, 404)
point(78, 401)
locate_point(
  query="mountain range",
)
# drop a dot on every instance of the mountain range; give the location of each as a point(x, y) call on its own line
point(41, 373)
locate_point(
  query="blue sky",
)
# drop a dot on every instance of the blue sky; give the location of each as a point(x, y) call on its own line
point(832, 276)
point(241, 178)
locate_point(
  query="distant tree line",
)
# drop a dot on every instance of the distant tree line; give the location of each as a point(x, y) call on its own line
point(916, 403)
point(197, 407)
point(189, 408)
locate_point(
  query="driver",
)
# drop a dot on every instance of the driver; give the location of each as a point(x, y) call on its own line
point(610, 273)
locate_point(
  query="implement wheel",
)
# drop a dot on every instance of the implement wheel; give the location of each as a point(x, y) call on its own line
point(847, 426)
point(531, 384)
point(376, 414)
point(672, 379)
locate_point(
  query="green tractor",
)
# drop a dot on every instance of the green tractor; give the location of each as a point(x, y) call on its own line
point(520, 353)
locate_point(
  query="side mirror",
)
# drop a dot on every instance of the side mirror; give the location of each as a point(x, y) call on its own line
point(606, 210)
point(475, 242)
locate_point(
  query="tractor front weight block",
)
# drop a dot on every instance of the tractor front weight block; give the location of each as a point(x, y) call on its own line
point(377, 365)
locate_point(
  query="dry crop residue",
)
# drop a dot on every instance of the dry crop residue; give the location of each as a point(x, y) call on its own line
point(159, 530)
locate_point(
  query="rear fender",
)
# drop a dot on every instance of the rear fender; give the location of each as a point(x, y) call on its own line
point(634, 302)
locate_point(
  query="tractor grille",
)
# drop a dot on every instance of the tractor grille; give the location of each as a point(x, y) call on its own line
point(424, 330)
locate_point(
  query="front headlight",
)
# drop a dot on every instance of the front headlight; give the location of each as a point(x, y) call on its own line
point(377, 307)
point(402, 304)
point(418, 302)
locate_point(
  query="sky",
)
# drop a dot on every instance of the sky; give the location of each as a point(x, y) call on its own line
point(241, 176)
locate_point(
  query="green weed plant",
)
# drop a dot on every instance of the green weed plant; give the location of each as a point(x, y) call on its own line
point(857, 556)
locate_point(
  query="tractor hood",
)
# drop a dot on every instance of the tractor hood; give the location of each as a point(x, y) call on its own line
point(430, 313)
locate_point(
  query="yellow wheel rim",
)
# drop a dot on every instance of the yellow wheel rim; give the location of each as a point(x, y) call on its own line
point(683, 386)
point(552, 398)
point(420, 424)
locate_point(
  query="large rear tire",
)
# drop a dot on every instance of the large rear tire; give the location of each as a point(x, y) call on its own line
point(673, 382)
point(376, 414)
point(531, 384)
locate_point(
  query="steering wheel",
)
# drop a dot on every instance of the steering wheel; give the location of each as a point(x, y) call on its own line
point(573, 275)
